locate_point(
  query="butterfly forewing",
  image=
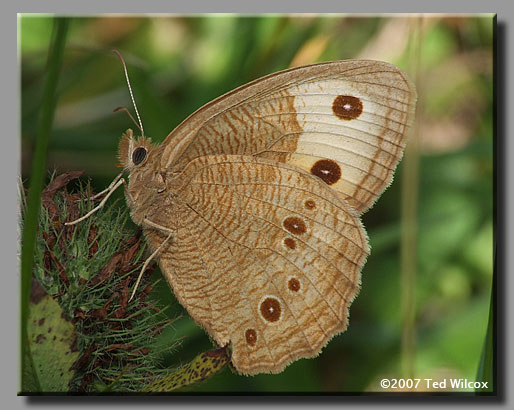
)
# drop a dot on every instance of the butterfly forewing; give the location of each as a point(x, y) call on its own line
point(344, 122)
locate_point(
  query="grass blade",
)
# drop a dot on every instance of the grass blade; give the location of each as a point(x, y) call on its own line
point(38, 172)
point(486, 371)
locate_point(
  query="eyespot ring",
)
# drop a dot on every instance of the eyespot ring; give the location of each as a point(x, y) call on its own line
point(138, 155)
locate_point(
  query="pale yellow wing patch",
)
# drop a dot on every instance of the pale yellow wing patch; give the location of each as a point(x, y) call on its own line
point(353, 130)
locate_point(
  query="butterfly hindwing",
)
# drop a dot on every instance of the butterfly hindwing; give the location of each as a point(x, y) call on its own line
point(267, 258)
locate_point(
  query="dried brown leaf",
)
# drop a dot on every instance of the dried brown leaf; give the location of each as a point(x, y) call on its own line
point(92, 240)
point(83, 360)
point(107, 270)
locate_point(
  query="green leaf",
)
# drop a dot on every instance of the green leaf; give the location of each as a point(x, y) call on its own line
point(200, 368)
point(52, 344)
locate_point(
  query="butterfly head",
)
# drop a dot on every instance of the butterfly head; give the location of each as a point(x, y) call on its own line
point(133, 152)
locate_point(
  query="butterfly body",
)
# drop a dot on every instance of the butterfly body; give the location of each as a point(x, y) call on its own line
point(254, 203)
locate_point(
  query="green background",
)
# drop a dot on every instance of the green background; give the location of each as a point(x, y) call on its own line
point(439, 257)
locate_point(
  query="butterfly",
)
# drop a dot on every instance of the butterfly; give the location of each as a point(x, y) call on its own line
point(252, 204)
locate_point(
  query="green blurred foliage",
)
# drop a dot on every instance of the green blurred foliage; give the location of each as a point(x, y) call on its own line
point(178, 63)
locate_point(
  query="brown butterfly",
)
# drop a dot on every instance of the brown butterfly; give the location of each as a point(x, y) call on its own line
point(252, 205)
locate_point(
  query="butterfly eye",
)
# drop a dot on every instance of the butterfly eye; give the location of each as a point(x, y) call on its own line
point(138, 155)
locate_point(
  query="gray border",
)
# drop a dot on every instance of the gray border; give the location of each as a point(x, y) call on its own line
point(9, 168)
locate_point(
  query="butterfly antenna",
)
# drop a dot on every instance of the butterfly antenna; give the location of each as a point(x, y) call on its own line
point(130, 90)
point(130, 115)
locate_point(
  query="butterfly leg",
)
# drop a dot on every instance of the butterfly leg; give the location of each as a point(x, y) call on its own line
point(99, 194)
point(148, 260)
point(102, 203)
point(151, 224)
